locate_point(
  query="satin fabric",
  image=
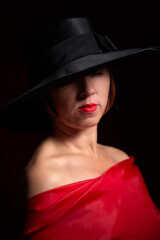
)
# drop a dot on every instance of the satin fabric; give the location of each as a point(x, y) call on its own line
point(114, 206)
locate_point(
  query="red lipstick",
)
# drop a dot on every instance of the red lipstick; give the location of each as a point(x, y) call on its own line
point(88, 108)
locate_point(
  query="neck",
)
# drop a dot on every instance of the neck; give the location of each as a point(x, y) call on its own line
point(73, 140)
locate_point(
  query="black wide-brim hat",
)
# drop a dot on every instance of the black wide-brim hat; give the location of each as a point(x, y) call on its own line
point(55, 54)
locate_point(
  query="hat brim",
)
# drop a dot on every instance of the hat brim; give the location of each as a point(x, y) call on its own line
point(25, 113)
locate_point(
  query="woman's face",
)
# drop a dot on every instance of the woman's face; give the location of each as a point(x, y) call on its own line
point(81, 103)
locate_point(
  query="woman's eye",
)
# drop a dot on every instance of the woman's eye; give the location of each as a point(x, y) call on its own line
point(97, 73)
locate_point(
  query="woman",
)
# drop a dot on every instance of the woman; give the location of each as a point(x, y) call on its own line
point(78, 107)
point(78, 188)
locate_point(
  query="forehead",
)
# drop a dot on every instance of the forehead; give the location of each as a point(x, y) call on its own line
point(94, 69)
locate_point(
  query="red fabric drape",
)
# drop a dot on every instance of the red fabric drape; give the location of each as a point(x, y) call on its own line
point(116, 205)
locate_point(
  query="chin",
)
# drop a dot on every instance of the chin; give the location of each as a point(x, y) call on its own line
point(87, 123)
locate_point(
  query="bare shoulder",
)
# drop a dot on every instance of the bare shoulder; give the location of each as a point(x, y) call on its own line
point(46, 149)
point(43, 169)
point(40, 159)
point(116, 154)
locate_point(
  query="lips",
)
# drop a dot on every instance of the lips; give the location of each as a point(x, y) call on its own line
point(88, 108)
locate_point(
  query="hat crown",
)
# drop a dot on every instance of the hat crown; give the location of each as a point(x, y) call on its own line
point(70, 27)
point(48, 36)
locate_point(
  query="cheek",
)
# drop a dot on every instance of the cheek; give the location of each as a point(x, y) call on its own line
point(62, 100)
point(105, 90)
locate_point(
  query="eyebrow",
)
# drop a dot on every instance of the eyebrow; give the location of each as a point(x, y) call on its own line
point(92, 70)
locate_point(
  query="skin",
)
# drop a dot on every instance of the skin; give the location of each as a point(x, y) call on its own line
point(71, 153)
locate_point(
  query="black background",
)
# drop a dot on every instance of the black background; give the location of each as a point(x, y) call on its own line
point(131, 125)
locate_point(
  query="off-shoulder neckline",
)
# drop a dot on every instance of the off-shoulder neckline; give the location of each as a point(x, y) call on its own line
point(130, 159)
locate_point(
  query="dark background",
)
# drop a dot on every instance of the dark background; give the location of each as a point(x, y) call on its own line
point(131, 125)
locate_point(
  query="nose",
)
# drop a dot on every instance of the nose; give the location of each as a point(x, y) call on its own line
point(86, 88)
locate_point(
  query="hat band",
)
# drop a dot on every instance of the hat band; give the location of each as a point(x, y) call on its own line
point(63, 53)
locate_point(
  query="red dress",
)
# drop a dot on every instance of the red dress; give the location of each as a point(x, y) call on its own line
point(114, 206)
